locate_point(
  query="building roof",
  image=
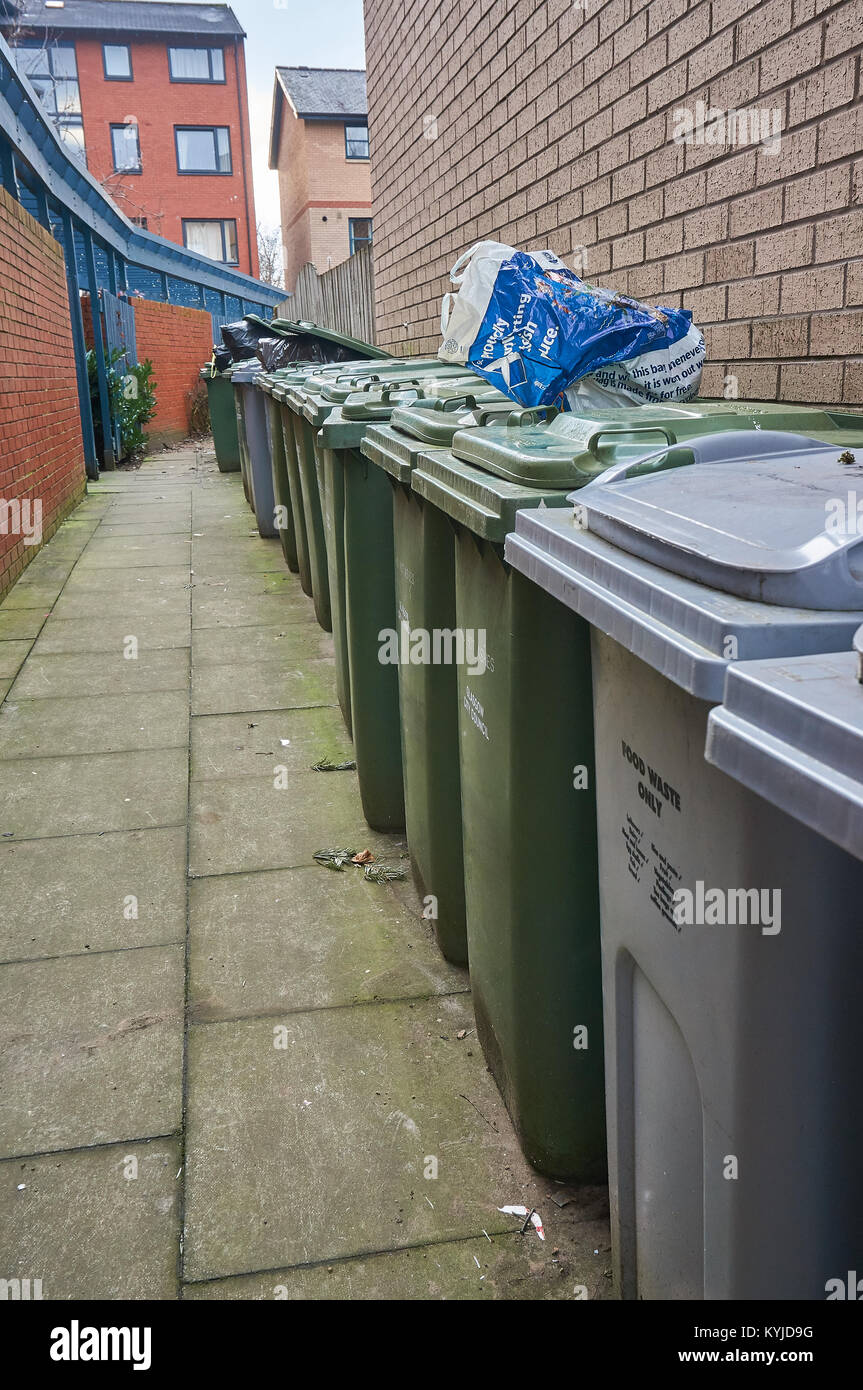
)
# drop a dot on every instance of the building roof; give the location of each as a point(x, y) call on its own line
point(128, 17)
point(317, 94)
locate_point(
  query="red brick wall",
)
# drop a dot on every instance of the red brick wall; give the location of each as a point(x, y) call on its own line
point(318, 181)
point(159, 193)
point(41, 450)
point(552, 124)
point(178, 342)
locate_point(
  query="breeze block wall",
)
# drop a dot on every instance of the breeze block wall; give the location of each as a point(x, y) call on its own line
point(178, 342)
point(563, 123)
point(41, 448)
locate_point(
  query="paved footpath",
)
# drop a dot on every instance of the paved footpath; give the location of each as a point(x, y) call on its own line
point(225, 1072)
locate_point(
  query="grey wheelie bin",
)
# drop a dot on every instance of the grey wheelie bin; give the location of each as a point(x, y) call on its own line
point(255, 448)
point(731, 947)
point(792, 731)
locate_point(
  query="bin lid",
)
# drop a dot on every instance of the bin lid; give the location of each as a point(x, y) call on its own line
point(792, 731)
point(437, 422)
point(770, 527)
point(542, 447)
point(378, 401)
point(684, 630)
point(289, 327)
point(244, 372)
point(339, 391)
point(485, 504)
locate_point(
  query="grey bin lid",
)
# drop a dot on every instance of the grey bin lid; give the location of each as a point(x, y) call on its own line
point(757, 527)
point(792, 731)
point(245, 372)
point(688, 632)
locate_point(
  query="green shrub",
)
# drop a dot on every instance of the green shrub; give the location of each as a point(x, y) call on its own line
point(132, 398)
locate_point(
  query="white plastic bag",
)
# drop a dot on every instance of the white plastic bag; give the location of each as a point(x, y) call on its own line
point(474, 273)
point(668, 373)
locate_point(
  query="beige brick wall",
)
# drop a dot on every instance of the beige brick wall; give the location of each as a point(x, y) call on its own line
point(553, 125)
point(320, 189)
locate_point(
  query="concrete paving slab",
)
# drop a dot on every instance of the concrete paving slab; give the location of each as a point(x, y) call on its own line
point(65, 674)
point(137, 530)
point(280, 582)
point(306, 939)
point(510, 1267)
point(98, 635)
point(129, 580)
point(248, 645)
point(113, 604)
point(221, 607)
point(246, 824)
point(96, 1224)
point(234, 745)
point(30, 594)
point(80, 796)
point(12, 657)
point(62, 726)
point(109, 555)
point(90, 1049)
point(5, 685)
point(18, 623)
point(77, 895)
point(229, 558)
point(292, 683)
point(319, 1128)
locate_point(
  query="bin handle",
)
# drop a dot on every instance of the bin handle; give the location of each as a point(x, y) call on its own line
point(603, 432)
point(390, 386)
point(532, 415)
point(402, 388)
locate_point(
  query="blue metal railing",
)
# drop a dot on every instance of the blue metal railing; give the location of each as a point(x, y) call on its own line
point(103, 249)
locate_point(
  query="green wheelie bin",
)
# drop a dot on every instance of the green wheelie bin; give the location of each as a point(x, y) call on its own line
point(358, 506)
point(307, 404)
point(284, 512)
point(526, 755)
point(223, 419)
point(425, 602)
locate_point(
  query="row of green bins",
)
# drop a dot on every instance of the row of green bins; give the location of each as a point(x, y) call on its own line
point(731, 943)
point(359, 510)
point(425, 603)
point(526, 758)
point(223, 418)
point(283, 508)
point(306, 405)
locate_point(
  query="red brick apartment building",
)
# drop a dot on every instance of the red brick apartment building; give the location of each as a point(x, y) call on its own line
point(319, 143)
point(153, 96)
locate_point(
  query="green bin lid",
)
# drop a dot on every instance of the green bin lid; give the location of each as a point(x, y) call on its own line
point(377, 402)
point(286, 328)
point(425, 424)
point(485, 504)
point(569, 450)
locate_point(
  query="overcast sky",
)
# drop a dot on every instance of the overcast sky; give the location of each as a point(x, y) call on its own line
point(323, 34)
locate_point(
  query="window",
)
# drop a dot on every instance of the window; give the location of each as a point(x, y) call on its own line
point(117, 62)
point(126, 148)
point(360, 229)
point(357, 141)
point(53, 71)
point(212, 237)
point(203, 149)
point(139, 222)
point(196, 64)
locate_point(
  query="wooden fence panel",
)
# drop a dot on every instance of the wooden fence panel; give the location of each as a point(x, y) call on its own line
point(342, 299)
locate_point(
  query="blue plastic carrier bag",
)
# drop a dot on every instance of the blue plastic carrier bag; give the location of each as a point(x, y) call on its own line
point(534, 329)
